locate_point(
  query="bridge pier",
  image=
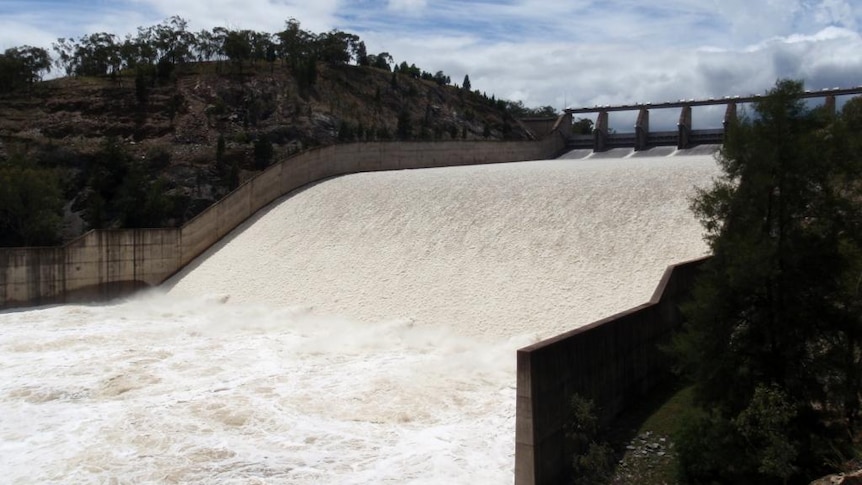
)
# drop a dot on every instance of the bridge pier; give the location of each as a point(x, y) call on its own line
point(642, 130)
point(729, 117)
point(829, 105)
point(684, 128)
point(601, 132)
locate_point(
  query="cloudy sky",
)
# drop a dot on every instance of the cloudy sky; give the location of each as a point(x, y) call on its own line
point(542, 52)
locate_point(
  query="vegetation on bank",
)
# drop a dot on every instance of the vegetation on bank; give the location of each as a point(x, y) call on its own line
point(773, 339)
point(150, 129)
point(157, 51)
point(770, 357)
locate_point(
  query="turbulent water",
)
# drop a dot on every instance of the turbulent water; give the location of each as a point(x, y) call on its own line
point(360, 331)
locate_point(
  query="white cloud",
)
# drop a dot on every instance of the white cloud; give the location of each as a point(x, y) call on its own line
point(266, 15)
point(410, 6)
point(578, 52)
point(836, 12)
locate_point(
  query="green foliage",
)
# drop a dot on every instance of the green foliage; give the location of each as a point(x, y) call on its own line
point(345, 132)
point(773, 340)
point(381, 61)
point(382, 133)
point(142, 87)
point(764, 425)
point(158, 158)
point(592, 461)
point(121, 192)
point(754, 447)
point(466, 84)
point(141, 202)
point(22, 67)
point(709, 450)
point(583, 126)
point(220, 147)
point(31, 204)
point(263, 152)
point(233, 175)
point(516, 109)
point(405, 125)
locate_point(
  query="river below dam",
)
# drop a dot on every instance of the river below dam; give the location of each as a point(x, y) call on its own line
point(361, 330)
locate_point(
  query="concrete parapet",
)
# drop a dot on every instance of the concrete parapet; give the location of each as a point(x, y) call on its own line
point(106, 264)
point(614, 362)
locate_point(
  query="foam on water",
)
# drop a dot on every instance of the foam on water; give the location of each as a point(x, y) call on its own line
point(361, 331)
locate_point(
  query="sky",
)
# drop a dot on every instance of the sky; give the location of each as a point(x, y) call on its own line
point(541, 52)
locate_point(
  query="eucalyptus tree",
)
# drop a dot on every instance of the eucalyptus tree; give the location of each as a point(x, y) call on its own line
point(773, 340)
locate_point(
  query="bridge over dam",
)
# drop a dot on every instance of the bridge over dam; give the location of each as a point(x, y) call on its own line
point(684, 136)
point(353, 315)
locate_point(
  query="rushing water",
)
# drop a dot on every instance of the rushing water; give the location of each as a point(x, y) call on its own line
point(361, 331)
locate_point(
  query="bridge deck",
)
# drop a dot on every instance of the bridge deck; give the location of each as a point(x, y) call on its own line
point(710, 101)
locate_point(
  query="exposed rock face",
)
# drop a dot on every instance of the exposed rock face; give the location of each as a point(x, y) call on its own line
point(854, 478)
point(173, 125)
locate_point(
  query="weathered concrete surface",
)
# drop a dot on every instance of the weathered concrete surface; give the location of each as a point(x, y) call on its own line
point(106, 264)
point(614, 361)
point(99, 265)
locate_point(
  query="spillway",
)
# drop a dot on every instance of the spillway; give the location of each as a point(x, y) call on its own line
point(361, 330)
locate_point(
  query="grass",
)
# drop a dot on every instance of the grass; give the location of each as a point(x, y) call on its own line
point(644, 435)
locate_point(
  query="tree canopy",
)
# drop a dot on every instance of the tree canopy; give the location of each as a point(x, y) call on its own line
point(773, 340)
point(31, 204)
point(22, 67)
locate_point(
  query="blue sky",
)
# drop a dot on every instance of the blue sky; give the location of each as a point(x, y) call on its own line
point(542, 52)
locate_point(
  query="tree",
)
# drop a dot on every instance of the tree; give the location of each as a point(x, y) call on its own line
point(97, 55)
point(237, 47)
point(105, 174)
point(26, 64)
point(466, 84)
point(583, 126)
point(172, 41)
point(404, 128)
point(362, 57)
point(441, 79)
point(31, 204)
point(381, 61)
point(263, 152)
point(773, 338)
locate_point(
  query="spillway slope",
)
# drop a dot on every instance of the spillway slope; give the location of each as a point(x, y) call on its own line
point(191, 387)
point(530, 248)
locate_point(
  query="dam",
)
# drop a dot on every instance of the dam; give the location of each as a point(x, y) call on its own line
point(359, 330)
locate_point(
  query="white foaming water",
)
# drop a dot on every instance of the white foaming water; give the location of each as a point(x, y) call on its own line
point(361, 331)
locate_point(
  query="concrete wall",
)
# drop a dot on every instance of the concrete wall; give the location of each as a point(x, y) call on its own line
point(99, 265)
point(614, 362)
point(105, 264)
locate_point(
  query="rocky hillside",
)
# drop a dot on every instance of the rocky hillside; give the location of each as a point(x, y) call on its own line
point(97, 132)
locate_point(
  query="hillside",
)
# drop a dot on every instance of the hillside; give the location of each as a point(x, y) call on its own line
point(123, 143)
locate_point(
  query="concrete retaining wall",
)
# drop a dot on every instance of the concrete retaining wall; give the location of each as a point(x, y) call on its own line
point(106, 264)
point(99, 265)
point(614, 362)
